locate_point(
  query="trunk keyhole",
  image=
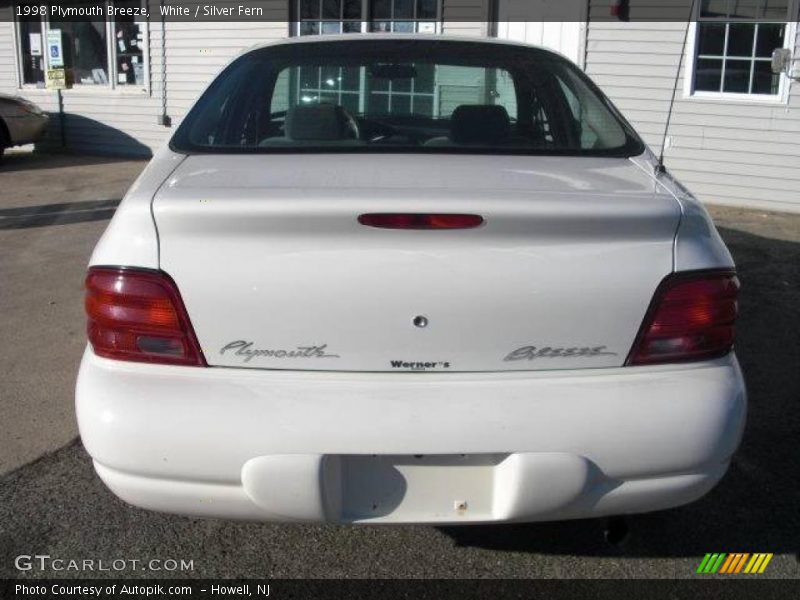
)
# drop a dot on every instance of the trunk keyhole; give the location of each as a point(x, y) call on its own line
point(420, 321)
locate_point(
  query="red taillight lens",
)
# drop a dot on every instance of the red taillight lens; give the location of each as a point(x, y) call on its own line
point(420, 221)
point(691, 318)
point(139, 316)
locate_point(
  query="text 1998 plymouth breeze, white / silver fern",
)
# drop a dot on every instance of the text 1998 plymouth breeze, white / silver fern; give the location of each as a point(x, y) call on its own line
point(409, 279)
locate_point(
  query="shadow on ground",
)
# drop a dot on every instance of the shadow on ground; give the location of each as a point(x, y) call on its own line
point(755, 507)
point(81, 136)
point(61, 213)
point(42, 160)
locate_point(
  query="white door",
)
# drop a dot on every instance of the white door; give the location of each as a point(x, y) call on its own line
point(562, 36)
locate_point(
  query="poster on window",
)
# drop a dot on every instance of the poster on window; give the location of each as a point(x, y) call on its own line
point(35, 42)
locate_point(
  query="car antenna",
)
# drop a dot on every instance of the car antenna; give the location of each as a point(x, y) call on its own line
point(660, 168)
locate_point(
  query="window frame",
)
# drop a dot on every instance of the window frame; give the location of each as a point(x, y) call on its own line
point(111, 60)
point(691, 57)
point(366, 19)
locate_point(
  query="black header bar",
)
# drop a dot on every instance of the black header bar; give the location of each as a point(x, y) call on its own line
point(200, 11)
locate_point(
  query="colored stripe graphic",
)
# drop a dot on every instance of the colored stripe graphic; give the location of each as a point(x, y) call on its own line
point(737, 560)
point(734, 563)
point(755, 562)
point(764, 564)
point(711, 563)
point(703, 563)
point(708, 563)
point(718, 563)
point(727, 564)
point(740, 564)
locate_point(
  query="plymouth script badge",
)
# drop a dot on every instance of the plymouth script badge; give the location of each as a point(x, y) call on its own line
point(245, 350)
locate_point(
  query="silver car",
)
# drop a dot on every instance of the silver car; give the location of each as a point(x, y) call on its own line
point(21, 122)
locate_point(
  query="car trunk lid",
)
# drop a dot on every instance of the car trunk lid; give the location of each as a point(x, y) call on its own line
point(277, 272)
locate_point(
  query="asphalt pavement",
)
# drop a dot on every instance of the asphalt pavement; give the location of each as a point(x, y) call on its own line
point(53, 209)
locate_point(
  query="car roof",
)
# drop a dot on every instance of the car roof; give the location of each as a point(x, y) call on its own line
point(394, 37)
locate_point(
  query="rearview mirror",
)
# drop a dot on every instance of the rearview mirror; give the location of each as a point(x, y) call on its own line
point(392, 71)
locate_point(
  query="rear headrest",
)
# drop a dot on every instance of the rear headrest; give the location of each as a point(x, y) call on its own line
point(317, 122)
point(479, 124)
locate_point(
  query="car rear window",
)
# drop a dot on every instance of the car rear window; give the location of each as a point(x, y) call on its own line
point(404, 96)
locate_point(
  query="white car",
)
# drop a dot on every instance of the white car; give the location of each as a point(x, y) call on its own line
point(409, 280)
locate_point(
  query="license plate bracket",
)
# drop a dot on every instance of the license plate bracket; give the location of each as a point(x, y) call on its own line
point(418, 487)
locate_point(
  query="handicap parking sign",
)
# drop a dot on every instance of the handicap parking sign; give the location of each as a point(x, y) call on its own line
point(55, 50)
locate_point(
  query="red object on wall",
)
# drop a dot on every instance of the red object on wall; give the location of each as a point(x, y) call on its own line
point(618, 9)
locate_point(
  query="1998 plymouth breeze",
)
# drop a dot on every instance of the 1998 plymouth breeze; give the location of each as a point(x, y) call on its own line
point(409, 279)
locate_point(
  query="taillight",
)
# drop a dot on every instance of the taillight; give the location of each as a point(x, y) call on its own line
point(691, 317)
point(138, 315)
point(420, 220)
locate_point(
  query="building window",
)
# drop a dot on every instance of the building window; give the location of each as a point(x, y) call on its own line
point(330, 85)
point(31, 47)
point(734, 44)
point(129, 44)
point(85, 49)
point(354, 89)
point(330, 16)
point(405, 96)
point(356, 16)
point(404, 16)
point(96, 51)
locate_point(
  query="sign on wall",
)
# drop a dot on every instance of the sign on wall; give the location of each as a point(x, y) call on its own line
point(35, 43)
point(56, 79)
point(55, 51)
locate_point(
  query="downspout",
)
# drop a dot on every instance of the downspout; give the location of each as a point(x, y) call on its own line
point(492, 28)
point(585, 60)
point(793, 73)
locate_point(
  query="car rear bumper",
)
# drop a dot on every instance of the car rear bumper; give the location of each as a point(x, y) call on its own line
point(410, 447)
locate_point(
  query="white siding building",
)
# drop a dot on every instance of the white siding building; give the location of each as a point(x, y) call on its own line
point(734, 137)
